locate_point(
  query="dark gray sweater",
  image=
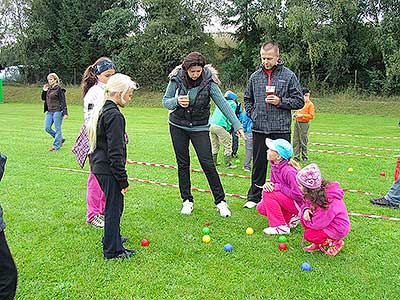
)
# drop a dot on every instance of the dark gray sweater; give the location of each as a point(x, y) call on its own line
point(269, 118)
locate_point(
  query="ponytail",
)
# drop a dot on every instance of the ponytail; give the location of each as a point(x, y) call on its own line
point(89, 77)
point(92, 125)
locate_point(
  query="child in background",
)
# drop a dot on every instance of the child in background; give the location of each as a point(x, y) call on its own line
point(247, 124)
point(93, 83)
point(235, 138)
point(281, 196)
point(220, 128)
point(324, 214)
point(301, 126)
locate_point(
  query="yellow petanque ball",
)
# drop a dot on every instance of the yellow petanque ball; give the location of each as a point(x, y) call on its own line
point(350, 170)
point(249, 231)
point(206, 238)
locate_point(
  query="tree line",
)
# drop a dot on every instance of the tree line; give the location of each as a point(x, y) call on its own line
point(330, 45)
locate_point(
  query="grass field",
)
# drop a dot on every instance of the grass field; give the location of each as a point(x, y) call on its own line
point(344, 103)
point(59, 256)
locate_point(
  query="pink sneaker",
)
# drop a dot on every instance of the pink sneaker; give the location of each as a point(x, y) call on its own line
point(313, 247)
point(333, 247)
point(294, 221)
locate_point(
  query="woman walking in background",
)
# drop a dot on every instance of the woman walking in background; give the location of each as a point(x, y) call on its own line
point(55, 107)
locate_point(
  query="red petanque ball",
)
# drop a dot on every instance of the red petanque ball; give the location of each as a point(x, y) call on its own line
point(145, 243)
point(282, 246)
point(382, 174)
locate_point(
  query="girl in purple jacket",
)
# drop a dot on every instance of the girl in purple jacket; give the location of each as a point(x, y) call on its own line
point(324, 214)
point(281, 196)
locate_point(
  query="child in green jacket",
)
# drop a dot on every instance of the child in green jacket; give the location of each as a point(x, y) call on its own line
point(219, 131)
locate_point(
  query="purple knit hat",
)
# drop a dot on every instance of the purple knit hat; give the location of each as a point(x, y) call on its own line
point(310, 177)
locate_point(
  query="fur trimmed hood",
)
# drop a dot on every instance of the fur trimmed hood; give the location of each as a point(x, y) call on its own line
point(209, 67)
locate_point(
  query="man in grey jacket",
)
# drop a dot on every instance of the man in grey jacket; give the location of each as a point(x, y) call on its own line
point(272, 92)
point(8, 270)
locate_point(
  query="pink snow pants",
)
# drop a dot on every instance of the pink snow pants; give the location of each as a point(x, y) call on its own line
point(278, 207)
point(95, 198)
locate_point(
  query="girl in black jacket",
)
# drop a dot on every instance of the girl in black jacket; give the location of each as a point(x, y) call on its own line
point(107, 139)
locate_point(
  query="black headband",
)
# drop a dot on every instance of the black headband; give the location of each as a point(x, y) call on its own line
point(102, 66)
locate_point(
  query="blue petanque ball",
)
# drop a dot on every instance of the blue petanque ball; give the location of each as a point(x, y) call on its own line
point(228, 248)
point(306, 266)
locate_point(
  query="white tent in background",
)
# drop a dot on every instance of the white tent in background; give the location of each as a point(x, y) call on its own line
point(11, 73)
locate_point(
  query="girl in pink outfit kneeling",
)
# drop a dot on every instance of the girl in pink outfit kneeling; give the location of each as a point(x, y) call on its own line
point(281, 196)
point(324, 214)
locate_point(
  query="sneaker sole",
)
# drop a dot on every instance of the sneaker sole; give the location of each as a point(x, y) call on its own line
point(311, 250)
point(251, 206)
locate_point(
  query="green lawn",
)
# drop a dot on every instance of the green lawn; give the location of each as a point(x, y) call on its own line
point(59, 256)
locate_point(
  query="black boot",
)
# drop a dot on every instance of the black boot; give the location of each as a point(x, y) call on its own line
point(228, 162)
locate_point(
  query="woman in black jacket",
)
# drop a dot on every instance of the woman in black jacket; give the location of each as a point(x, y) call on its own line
point(107, 139)
point(190, 90)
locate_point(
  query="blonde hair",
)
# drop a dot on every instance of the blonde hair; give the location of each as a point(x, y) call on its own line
point(55, 77)
point(294, 164)
point(116, 84)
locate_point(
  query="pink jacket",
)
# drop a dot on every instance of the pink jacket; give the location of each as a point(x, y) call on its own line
point(284, 178)
point(334, 220)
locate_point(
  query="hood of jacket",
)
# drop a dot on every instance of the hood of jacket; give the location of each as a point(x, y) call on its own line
point(209, 67)
point(334, 192)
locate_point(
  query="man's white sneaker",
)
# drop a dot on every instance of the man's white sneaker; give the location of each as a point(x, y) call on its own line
point(187, 208)
point(223, 209)
point(294, 221)
point(249, 204)
point(283, 229)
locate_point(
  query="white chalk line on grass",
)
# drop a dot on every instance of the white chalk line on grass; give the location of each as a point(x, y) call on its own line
point(223, 174)
point(352, 146)
point(133, 162)
point(151, 182)
point(348, 153)
point(227, 194)
point(356, 135)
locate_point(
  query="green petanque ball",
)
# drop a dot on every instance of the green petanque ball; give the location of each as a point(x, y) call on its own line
point(206, 230)
point(282, 239)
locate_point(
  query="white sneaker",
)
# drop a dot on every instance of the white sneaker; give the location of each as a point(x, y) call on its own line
point(294, 221)
point(249, 204)
point(283, 229)
point(98, 221)
point(224, 209)
point(187, 208)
